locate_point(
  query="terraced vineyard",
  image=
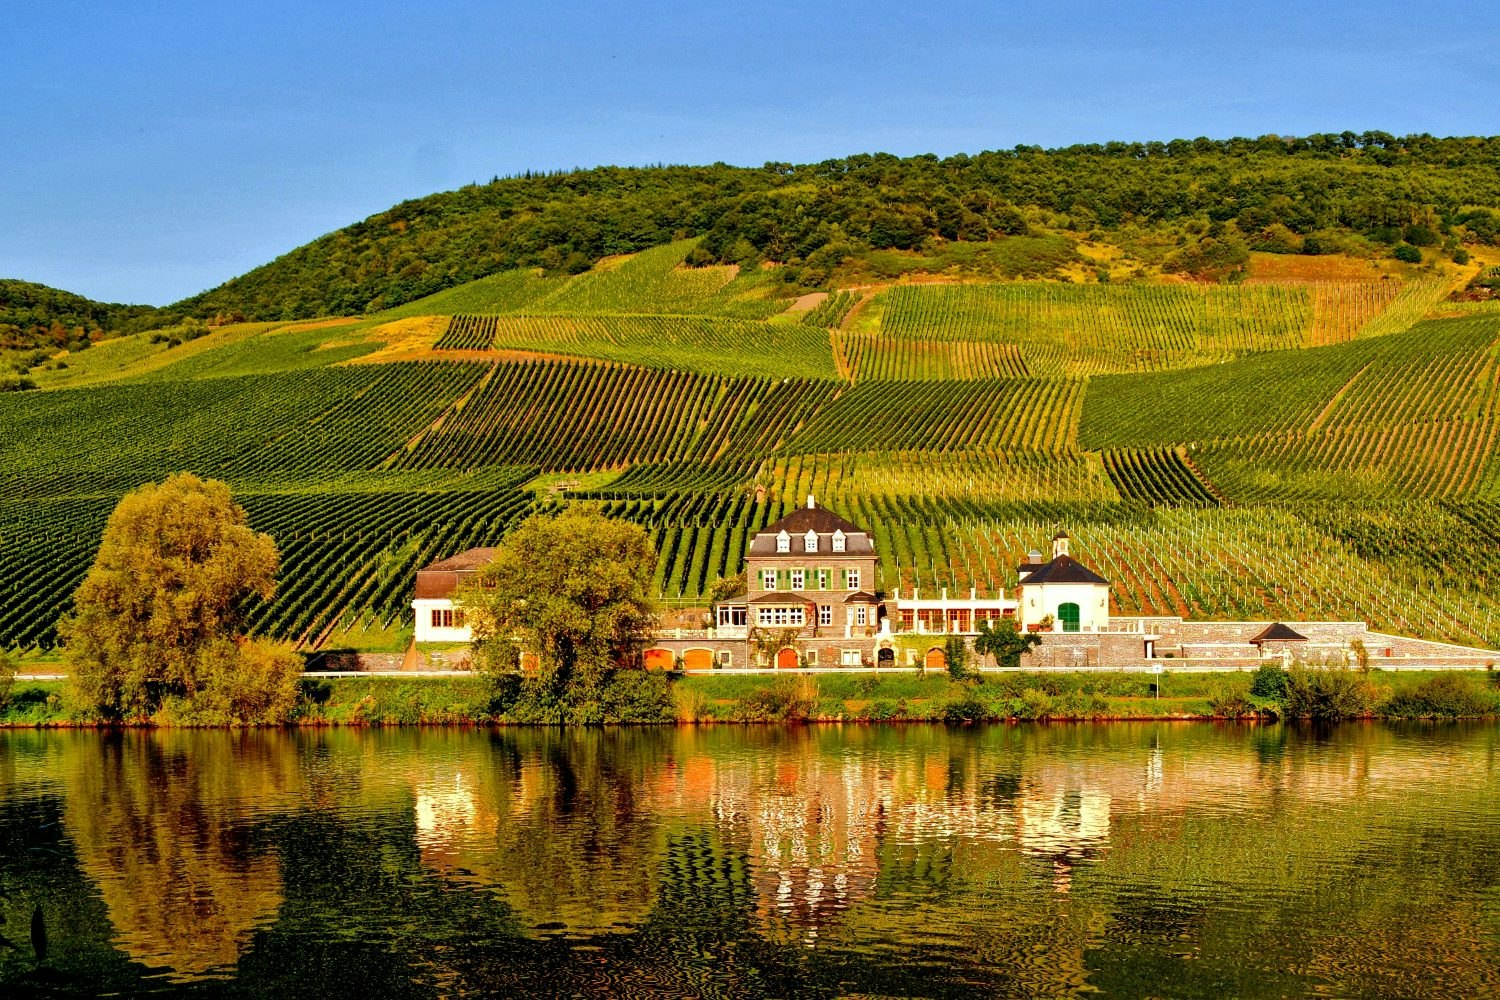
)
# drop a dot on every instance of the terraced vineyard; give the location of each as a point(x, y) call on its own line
point(1032, 414)
point(1161, 476)
point(1301, 449)
point(832, 310)
point(874, 356)
point(1068, 330)
point(573, 415)
point(468, 333)
point(686, 343)
point(106, 440)
point(843, 478)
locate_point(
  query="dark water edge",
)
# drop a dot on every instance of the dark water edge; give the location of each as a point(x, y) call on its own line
point(1126, 859)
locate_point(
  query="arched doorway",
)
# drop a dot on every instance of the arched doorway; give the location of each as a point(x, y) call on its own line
point(1068, 615)
point(698, 659)
point(936, 659)
point(886, 657)
point(786, 659)
point(659, 659)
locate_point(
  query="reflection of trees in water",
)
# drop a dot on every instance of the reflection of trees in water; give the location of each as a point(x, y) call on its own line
point(564, 824)
point(160, 823)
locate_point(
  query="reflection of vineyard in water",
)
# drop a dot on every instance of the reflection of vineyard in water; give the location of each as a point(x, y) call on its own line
point(954, 855)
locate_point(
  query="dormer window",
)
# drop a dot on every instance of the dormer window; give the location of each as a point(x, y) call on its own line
point(838, 541)
point(810, 542)
point(783, 542)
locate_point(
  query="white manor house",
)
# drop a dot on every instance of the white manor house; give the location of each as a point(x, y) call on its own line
point(811, 602)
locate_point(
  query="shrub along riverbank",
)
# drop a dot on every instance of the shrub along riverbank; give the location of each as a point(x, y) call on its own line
point(657, 698)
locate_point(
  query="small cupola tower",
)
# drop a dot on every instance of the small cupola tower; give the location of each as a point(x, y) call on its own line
point(1060, 544)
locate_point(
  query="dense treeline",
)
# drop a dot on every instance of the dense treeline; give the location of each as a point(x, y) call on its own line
point(1307, 194)
point(36, 316)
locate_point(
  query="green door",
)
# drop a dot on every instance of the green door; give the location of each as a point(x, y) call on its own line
point(1068, 615)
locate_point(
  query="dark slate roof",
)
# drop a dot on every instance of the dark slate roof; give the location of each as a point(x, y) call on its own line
point(819, 519)
point(1277, 632)
point(469, 559)
point(1063, 569)
point(860, 597)
point(824, 522)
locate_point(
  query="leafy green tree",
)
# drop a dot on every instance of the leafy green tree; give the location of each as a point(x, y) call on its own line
point(574, 591)
point(1216, 257)
point(956, 653)
point(1005, 642)
point(159, 615)
point(1407, 253)
point(7, 678)
point(1269, 681)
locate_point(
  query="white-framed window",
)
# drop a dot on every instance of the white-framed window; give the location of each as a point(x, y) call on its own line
point(822, 579)
point(780, 617)
point(838, 541)
point(726, 658)
point(810, 541)
point(730, 615)
point(851, 579)
point(810, 658)
point(799, 579)
point(850, 658)
point(825, 614)
point(447, 618)
point(768, 579)
point(861, 615)
point(783, 542)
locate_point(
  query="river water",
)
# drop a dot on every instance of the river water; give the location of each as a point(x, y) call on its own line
point(1178, 860)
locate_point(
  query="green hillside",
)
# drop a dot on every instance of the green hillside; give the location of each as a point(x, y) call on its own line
point(1315, 441)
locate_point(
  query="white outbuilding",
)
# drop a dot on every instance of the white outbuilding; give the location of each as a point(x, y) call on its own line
point(1073, 596)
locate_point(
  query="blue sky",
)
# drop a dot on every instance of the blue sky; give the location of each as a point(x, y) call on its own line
point(154, 149)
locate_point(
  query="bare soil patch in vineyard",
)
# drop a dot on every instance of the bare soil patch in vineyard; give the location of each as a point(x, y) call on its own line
point(1274, 268)
point(808, 302)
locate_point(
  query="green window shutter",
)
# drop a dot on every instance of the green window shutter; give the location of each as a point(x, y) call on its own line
point(783, 579)
point(843, 579)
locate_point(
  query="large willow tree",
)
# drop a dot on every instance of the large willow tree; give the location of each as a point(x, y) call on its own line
point(159, 617)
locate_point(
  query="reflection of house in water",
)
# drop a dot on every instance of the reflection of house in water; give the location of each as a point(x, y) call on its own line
point(1066, 825)
point(811, 828)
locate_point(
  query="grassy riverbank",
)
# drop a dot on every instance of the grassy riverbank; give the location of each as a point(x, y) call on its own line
point(353, 701)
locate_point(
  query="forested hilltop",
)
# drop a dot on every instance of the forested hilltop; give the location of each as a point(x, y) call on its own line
point(35, 316)
point(1198, 199)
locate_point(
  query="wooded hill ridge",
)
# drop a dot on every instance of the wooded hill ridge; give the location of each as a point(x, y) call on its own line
point(36, 316)
point(814, 218)
point(1356, 193)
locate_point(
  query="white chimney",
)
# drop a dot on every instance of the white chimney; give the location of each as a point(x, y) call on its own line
point(811, 502)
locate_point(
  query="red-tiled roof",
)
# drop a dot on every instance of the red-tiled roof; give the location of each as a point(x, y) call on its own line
point(469, 559)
